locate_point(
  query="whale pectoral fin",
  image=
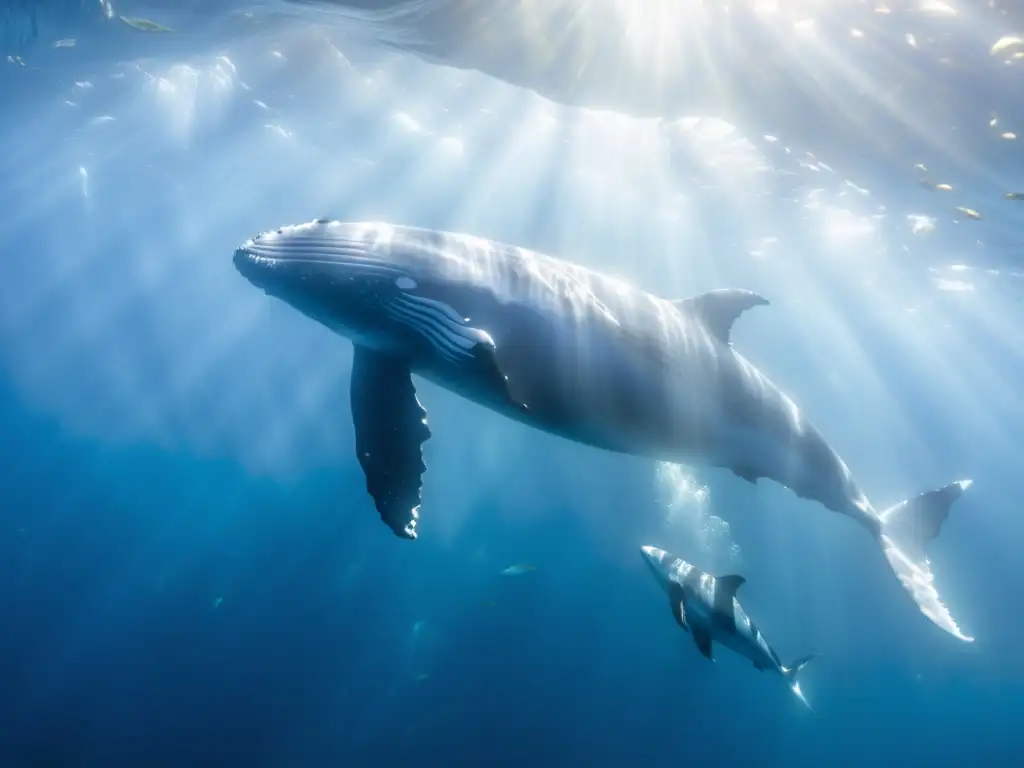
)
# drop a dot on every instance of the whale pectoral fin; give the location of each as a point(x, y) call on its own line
point(675, 603)
point(703, 640)
point(719, 309)
point(391, 427)
point(725, 592)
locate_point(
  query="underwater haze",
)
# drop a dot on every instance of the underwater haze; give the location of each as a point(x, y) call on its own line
point(192, 572)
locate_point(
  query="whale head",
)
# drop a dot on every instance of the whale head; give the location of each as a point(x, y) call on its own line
point(362, 280)
point(660, 563)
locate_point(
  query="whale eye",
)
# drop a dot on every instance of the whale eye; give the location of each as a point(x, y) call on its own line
point(405, 283)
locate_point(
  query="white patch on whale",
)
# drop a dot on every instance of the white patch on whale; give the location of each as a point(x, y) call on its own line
point(437, 323)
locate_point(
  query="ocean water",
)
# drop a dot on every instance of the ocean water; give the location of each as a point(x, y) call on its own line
point(191, 570)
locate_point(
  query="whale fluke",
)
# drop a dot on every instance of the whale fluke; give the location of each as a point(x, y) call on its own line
point(905, 530)
point(792, 671)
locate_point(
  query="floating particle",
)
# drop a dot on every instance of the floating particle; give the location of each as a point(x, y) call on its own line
point(920, 224)
point(144, 25)
point(970, 213)
point(937, 7)
point(1003, 43)
point(282, 132)
point(954, 286)
point(67, 42)
point(519, 569)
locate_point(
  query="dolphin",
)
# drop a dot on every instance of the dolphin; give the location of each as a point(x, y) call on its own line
point(569, 351)
point(706, 606)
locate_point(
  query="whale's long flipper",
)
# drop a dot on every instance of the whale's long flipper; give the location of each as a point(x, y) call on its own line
point(905, 530)
point(703, 640)
point(391, 427)
point(675, 603)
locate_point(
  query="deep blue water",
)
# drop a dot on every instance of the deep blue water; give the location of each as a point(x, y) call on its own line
point(191, 571)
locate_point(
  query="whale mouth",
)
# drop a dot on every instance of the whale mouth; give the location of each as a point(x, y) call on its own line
point(652, 554)
point(324, 248)
point(253, 267)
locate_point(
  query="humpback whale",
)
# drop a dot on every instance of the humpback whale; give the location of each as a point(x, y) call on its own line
point(706, 607)
point(566, 350)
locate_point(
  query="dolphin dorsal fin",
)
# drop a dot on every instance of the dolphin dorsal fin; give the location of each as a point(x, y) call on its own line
point(719, 309)
point(726, 588)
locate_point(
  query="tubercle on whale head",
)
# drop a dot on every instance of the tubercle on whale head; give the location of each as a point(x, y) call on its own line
point(300, 259)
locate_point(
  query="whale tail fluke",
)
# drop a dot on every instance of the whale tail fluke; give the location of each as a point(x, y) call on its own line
point(791, 672)
point(905, 530)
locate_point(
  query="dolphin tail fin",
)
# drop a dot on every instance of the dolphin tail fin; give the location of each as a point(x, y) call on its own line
point(904, 531)
point(790, 674)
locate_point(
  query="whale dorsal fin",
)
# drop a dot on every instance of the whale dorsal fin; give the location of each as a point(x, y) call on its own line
point(726, 588)
point(719, 309)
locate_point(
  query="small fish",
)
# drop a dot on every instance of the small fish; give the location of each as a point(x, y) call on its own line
point(968, 212)
point(144, 24)
point(519, 569)
point(944, 187)
point(68, 42)
point(1014, 195)
point(1008, 135)
point(217, 602)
